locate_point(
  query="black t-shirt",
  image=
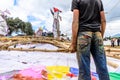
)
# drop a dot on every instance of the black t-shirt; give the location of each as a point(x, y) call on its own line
point(89, 11)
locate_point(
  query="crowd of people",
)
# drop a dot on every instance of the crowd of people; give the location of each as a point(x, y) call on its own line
point(113, 40)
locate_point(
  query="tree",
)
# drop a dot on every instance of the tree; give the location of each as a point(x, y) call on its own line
point(17, 25)
point(28, 28)
point(10, 23)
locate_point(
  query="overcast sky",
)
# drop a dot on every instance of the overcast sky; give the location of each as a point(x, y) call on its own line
point(38, 13)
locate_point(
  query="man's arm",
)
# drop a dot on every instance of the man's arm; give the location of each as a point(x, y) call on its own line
point(103, 22)
point(75, 24)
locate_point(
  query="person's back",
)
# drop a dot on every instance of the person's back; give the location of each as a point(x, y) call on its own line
point(88, 28)
point(89, 14)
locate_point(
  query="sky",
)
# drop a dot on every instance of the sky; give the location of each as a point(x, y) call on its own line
point(38, 13)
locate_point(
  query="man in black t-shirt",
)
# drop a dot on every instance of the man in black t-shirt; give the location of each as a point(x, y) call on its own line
point(88, 29)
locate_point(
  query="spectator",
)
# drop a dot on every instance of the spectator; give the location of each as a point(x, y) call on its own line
point(118, 41)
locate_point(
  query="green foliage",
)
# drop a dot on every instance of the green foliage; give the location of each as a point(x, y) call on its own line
point(28, 29)
point(17, 25)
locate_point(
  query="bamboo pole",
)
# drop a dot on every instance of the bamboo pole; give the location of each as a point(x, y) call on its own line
point(114, 65)
point(38, 50)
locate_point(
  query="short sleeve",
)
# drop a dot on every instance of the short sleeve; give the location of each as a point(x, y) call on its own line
point(75, 5)
point(102, 9)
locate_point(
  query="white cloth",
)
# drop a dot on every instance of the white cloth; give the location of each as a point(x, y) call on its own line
point(3, 27)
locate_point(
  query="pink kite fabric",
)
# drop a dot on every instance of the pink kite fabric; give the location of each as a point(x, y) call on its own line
point(34, 72)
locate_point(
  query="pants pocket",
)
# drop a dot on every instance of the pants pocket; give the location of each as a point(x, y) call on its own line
point(83, 42)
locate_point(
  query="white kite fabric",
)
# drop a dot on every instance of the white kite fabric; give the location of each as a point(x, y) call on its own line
point(12, 61)
point(3, 26)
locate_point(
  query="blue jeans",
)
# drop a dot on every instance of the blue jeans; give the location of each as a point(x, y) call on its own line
point(91, 42)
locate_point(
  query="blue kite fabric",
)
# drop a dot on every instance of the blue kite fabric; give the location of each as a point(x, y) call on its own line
point(75, 71)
